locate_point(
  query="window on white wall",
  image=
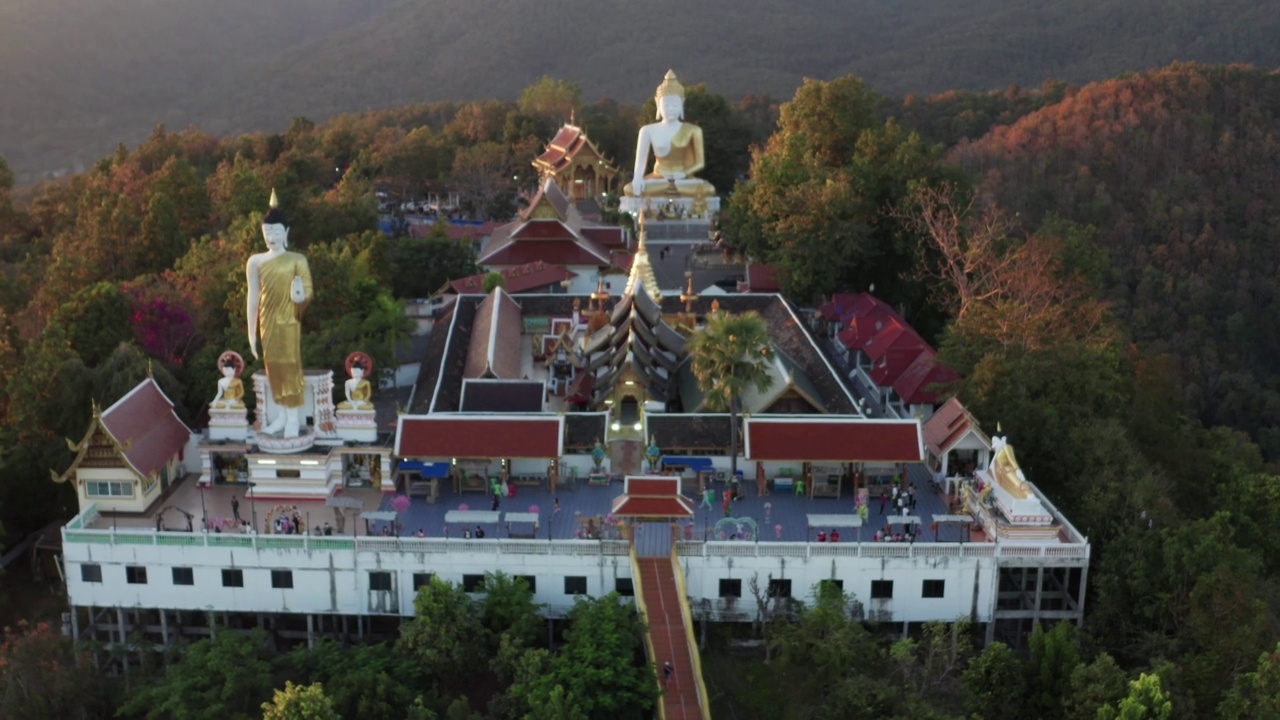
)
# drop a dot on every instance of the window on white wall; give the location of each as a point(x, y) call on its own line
point(282, 579)
point(183, 576)
point(933, 588)
point(108, 488)
point(91, 573)
point(135, 575)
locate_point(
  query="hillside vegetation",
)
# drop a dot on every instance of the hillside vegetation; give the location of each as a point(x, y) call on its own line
point(76, 76)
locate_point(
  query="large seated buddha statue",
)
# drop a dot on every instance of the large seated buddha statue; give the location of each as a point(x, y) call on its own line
point(677, 148)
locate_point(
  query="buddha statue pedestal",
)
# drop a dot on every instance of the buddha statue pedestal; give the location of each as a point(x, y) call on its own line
point(357, 425)
point(672, 208)
point(317, 407)
point(228, 423)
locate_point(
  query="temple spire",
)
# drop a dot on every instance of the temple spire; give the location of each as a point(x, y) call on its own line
point(641, 270)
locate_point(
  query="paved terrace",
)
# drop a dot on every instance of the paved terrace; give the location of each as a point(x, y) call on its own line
point(780, 516)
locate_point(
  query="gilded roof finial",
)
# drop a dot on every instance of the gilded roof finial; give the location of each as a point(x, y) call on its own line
point(670, 86)
point(275, 201)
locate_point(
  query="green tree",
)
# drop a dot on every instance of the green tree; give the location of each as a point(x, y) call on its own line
point(493, 280)
point(225, 676)
point(300, 702)
point(1255, 694)
point(96, 319)
point(1055, 654)
point(820, 201)
point(1147, 700)
point(600, 665)
point(995, 682)
point(40, 678)
point(730, 354)
point(509, 610)
point(368, 681)
point(1094, 685)
point(441, 638)
point(422, 266)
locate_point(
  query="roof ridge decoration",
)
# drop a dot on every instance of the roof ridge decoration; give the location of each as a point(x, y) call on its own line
point(641, 271)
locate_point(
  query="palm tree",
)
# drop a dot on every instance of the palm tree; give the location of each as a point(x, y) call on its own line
point(731, 354)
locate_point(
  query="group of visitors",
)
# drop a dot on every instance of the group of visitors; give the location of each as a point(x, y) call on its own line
point(903, 501)
point(289, 524)
point(886, 535)
point(833, 537)
point(478, 534)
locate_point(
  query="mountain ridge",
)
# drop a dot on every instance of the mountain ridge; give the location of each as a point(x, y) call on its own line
point(76, 78)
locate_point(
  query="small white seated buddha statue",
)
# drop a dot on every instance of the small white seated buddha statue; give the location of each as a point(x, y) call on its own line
point(230, 387)
point(358, 389)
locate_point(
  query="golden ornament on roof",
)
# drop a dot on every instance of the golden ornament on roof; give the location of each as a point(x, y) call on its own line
point(670, 86)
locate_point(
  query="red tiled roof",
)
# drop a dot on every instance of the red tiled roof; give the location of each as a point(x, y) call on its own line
point(563, 146)
point(652, 496)
point(455, 436)
point(662, 507)
point(144, 422)
point(864, 326)
point(892, 351)
point(950, 423)
point(606, 236)
point(843, 305)
point(520, 278)
point(914, 384)
point(762, 279)
point(846, 440)
point(552, 252)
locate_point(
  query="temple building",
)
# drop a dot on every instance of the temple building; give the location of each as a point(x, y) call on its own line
point(551, 232)
point(575, 164)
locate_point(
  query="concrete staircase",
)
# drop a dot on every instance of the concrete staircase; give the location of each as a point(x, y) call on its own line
point(666, 612)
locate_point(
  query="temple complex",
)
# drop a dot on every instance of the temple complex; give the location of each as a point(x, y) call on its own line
point(574, 163)
point(570, 427)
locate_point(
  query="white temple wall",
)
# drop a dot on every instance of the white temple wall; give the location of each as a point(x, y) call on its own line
point(961, 579)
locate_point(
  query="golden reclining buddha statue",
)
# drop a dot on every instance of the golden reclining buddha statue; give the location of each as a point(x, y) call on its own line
point(677, 148)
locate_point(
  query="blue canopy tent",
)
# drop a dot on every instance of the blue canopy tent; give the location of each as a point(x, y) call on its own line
point(425, 469)
point(696, 464)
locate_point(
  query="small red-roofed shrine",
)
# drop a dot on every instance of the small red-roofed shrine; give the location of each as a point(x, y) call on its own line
point(652, 497)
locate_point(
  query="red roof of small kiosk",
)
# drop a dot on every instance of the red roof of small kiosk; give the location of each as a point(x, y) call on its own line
point(838, 440)
point(655, 496)
point(479, 436)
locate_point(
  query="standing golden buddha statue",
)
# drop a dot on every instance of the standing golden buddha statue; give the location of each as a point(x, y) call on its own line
point(279, 290)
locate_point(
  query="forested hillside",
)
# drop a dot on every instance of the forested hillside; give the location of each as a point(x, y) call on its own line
point(1098, 263)
point(1175, 173)
point(76, 76)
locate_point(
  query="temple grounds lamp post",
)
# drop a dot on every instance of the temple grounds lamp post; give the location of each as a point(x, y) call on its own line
point(253, 507)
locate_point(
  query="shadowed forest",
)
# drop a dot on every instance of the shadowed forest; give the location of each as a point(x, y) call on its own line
point(1098, 262)
point(78, 76)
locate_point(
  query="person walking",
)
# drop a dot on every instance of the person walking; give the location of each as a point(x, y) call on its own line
point(235, 508)
point(884, 500)
point(668, 670)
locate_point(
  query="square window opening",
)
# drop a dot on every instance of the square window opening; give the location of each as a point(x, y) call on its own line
point(881, 589)
point(184, 576)
point(575, 585)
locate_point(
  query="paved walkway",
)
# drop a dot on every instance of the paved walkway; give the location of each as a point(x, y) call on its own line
point(670, 641)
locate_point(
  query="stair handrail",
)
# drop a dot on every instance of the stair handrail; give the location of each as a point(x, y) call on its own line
point(637, 586)
point(695, 655)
